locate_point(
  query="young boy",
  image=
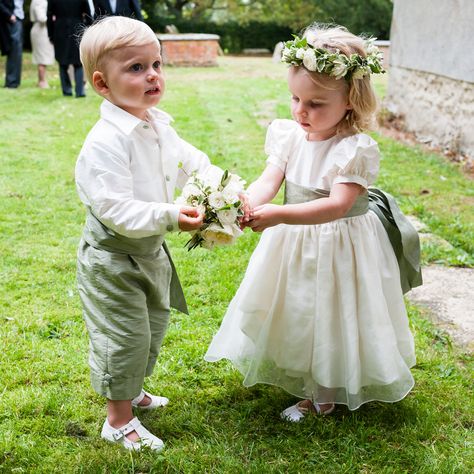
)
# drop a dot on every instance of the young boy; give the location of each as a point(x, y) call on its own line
point(126, 175)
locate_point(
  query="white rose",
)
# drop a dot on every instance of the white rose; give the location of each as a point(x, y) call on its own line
point(212, 177)
point(309, 60)
point(371, 48)
point(286, 54)
point(191, 190)
point(237, 180)
point(300, 53)
point(217, 235)
point(231, 193)
point(227, 216)
point(216, 200)
point(340, 68)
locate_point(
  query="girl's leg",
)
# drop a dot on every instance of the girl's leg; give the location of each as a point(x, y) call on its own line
point(42, 82)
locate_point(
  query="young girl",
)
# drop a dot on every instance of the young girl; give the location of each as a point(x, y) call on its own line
point(320, 311)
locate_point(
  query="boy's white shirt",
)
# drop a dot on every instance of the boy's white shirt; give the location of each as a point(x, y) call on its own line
point(127, 171)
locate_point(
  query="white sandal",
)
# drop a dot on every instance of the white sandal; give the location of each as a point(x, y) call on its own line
point(297, 412)
point(119, 435)
point(156, 401)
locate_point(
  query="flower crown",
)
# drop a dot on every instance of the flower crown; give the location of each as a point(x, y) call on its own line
point(298, 52)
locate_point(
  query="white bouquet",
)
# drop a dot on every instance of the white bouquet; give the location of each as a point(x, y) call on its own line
point(216, 194)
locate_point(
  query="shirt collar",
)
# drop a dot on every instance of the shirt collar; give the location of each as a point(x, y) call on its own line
point(127, 122)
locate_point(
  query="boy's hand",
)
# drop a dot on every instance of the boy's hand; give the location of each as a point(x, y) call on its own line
point(189, 218)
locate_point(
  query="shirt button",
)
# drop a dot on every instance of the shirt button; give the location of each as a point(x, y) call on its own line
point(167, 177)
point(169, 227)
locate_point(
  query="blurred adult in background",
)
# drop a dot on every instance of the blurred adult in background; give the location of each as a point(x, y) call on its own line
point(66, 19)
point(43, 50)
point(129, 8)
point(11, 39)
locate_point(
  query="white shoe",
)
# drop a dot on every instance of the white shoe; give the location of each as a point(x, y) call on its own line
point(119, 435)
point(297, 412)
point(156, 402)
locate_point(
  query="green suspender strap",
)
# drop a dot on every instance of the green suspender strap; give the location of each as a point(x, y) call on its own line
point(100, 237)
point(402, 235)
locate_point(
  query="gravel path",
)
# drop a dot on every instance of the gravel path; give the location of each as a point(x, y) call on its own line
point(448, 292)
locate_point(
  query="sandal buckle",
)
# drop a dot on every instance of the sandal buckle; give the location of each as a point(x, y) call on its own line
point(118, 435)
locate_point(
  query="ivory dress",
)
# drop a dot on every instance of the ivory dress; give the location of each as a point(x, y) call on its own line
point(43, 49)
point(320, 311)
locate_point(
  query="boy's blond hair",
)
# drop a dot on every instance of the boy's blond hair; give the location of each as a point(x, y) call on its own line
point(360, 92)
point(108, 34)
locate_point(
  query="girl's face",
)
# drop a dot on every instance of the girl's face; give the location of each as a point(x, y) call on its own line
point(132, 78)
point(318, 110)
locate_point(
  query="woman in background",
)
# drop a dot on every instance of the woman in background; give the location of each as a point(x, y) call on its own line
point(43, 49)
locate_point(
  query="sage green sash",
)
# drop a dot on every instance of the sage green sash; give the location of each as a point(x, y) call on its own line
point(101, 237)
point(402, 235)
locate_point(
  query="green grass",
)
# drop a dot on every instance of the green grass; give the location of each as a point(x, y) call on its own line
point(49, 416)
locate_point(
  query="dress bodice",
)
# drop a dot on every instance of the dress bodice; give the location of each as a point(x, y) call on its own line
point(321, 164)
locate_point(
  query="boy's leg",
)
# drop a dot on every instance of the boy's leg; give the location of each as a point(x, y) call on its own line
point(116, 316)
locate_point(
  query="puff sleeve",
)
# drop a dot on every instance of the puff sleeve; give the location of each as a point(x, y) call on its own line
point(356, 160)
point(279, 141)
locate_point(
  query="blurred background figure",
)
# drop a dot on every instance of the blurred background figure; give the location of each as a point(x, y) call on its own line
point(43, 50)
point(11, 39)
point(66, 18)
point(129, 8)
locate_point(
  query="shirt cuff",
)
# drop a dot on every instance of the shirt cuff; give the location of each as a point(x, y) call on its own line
point(171, 219)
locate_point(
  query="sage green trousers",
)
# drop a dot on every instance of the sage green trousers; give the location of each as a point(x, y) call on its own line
point(126, 308)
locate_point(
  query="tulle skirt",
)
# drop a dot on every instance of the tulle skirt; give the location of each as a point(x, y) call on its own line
point(320, 313)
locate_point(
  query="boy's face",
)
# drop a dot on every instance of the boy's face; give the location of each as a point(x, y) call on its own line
point(132, 78)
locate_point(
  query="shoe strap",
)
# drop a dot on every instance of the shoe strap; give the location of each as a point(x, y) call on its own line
point(133, 425)
point(139, 398)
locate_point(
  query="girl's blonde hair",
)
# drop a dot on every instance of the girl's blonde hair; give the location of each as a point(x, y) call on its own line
point(360, 92)
point(108, 34)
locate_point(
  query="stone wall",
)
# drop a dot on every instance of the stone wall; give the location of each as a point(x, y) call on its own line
point(431, 81)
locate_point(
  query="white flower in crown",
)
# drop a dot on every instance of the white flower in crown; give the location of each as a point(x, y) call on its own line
point(370, 47)
point(286, 54)
point(359, 73)
point(339, 68)
point(300, 53)
point(309, 60)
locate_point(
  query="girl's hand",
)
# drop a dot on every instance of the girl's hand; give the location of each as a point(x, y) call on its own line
point(264, 216)
point(246, 208)
point(189, 218)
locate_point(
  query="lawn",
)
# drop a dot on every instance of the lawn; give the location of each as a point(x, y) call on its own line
point(49, 416)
